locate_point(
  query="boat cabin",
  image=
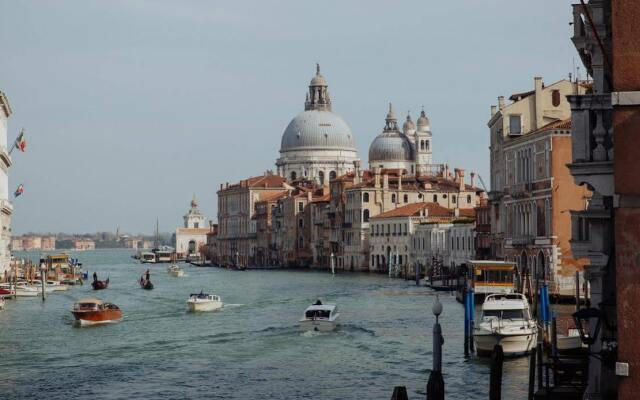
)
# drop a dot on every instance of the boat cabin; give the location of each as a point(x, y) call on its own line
point(325, 311)
point(147, 257)
point(489, 276)
point(506, 306)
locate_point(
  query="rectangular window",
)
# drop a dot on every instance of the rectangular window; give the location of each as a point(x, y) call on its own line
point(515, 125)
point(300, 206)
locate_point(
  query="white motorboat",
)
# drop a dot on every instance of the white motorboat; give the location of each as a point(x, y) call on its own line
point(506, 320)
point(320, 317)
point(21, 289)
point(204, 302)
point(56, 286)
point(176, 271)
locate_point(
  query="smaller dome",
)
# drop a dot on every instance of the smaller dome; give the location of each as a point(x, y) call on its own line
point(423, 122)
point(390, 146)
point(408, 125)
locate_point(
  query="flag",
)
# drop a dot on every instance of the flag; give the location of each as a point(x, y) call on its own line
point(21, 143)
point(19, 190)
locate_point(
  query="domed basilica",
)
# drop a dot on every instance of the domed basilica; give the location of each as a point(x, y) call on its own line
point(317, 144)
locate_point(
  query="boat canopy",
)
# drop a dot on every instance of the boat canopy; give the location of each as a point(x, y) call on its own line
point(513, 301)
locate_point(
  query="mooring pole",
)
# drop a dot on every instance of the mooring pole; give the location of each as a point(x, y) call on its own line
point(465, 299)
point(577, 290)
point(532, 373)
point(43, 279)
point(399, 393)
point(472, 318)
point(435, 385)
point(495, 386)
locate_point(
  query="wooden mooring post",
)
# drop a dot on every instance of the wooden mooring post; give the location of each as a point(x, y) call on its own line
point(399, 393)
point(495, 385)
point(532, 373)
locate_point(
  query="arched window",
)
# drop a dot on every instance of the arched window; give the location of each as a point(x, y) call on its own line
point(332, 175)
point(453, 198)
point(555, 98)
point(365, 216)
point(469, 198)
point(426, 145)
point(293, 175)
point(406, 198)
point(321, 177)
point(365, 197)
point(393, 198)
point(435, 198)
point(422, 145)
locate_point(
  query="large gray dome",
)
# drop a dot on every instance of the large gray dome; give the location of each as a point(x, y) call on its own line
point(391, 146)
point(314, 129)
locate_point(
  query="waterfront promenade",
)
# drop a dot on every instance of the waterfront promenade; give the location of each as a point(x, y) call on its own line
point(251, 349)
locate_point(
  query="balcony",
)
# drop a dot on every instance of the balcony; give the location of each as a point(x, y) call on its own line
point(523, 240)
point(592, 141)
point(6, 207)
point(5, 157)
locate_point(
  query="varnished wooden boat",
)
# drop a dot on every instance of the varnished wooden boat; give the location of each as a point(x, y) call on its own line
point(95, 311)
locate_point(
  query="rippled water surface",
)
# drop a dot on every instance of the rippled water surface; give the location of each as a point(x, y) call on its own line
point(252, 349)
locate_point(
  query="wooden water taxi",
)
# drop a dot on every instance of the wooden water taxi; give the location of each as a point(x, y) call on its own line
point(95, 311)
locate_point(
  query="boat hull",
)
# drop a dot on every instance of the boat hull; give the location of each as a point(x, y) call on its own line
point(97, 317)
point(317, 325)
point(204, 306)
point(512, 344)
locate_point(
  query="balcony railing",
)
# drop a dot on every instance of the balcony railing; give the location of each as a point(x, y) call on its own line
point(522, 240)
point(592, 141)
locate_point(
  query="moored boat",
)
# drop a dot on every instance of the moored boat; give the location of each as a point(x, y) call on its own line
point(506, 320)
point(95, 311)
point(320, 317)
point(7, 292)
point(204, 302)
point(175, 270)
point(56, 286)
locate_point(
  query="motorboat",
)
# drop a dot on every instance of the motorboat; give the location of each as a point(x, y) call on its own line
point(56, 286)
point(7, 292)
point(204, 302)
point(320, 317)
point(175, 270)
point(95, 311)
point(147, 257)
point(21, 289)
point(506, 320)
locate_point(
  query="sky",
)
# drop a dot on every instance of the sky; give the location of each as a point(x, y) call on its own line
point(130, 107)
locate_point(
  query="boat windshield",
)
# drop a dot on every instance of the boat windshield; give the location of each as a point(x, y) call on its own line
point(87, 306)
point(315, 314)
point(505, 314)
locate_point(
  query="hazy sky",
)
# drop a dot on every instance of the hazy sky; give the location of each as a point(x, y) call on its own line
point(131, 106)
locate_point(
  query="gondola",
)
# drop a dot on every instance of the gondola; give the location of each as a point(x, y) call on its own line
point(146, 284)
point(99, 285)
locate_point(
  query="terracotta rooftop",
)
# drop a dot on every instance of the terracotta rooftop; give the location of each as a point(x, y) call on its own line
point(559, 124)
point(414, 209)
point(273, 196)
point(267, 181)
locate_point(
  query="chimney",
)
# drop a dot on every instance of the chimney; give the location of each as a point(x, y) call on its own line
point(500, 102)
point(356, 172)
point(461, 179)
point(493, 110)
point(309, 196)
point(473, 179)
point(376, 174)
point(221, 186)
point(226, 185)
point(538, 86)
point(400, 182)
point(445, 171)
point(385, 181)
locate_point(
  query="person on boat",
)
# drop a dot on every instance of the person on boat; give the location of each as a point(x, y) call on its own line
point(148, 275)
point(95, 276)
point(317, 303)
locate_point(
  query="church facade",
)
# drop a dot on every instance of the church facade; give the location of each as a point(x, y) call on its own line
point(193, 235)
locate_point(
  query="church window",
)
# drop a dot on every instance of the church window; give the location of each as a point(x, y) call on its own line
point(435, 198)
point(426, 145)
point(321, 177)
point(365, 217)
point(453, 198)
point(293, 175)
point(196, 225)
point(422, 145)
point(406, 198)
point(365, 197)
point(332, 175)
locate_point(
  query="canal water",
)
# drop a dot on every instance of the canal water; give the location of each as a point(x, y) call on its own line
point(252, 349)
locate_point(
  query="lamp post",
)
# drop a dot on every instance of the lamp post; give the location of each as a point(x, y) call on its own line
point(435, 386)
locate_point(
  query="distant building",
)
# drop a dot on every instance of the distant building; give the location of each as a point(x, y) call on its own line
point(193, 235)
point(6, 208)
point(32, 242)
point(84, 244)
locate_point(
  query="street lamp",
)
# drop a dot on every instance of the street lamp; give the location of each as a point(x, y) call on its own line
point(585, 319)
